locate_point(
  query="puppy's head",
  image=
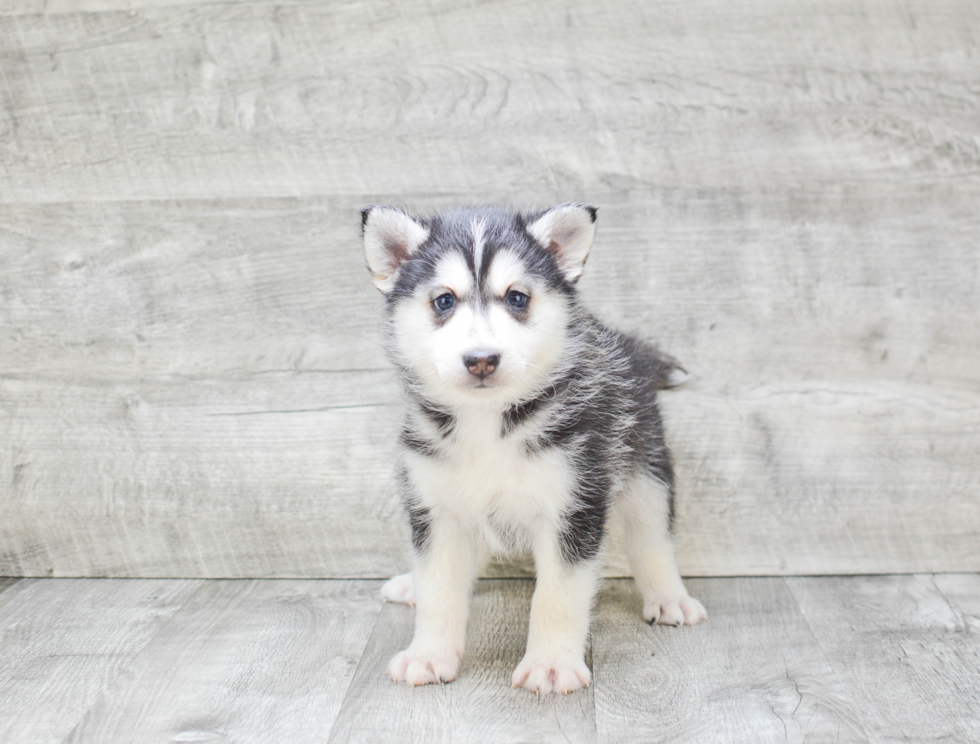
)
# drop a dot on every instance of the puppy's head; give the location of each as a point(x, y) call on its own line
point(478, 299)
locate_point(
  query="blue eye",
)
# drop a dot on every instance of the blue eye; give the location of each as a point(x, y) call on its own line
point(517, 300)
point(444, 303)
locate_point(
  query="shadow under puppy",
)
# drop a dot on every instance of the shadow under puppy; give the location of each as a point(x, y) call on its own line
point(528, 426)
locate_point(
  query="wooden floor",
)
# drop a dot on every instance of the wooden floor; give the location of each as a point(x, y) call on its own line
point(878, 659)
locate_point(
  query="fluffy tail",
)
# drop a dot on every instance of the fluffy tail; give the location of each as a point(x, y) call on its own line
point(669, 371)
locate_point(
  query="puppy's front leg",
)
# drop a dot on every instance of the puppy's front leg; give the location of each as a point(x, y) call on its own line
point(445, 567)
point(555, 657)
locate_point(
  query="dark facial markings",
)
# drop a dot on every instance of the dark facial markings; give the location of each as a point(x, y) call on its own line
point(444, 301)
point(517, 303)
point(451, 232)
point(500, 232)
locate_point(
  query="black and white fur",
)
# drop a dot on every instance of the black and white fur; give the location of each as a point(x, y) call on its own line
point(529, 425)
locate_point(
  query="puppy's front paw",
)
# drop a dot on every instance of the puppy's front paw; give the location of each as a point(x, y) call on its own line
point(543, 675)
point(679, 610)
point(399, 589)
point(424, 667)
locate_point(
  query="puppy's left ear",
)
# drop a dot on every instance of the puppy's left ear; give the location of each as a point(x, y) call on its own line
point(390, 237)
point(567, 231)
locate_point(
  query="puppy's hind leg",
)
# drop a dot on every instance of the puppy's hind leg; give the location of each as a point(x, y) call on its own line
point(401, 588)
point(645, 510)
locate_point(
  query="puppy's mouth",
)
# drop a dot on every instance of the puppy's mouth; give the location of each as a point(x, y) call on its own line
point(491, 382)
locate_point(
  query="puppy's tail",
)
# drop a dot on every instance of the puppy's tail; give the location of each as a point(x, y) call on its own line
point(668, 370)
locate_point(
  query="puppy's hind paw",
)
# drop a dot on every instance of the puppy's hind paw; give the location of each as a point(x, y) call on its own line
point(399, 589)
point(674, 611)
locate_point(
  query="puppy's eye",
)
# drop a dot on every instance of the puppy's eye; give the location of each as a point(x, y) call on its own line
point(517, 300)
point(444, 303)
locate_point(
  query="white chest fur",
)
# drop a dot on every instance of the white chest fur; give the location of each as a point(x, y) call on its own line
point(491, 482)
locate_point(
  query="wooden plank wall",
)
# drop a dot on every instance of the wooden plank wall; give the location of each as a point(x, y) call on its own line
point(191, 382)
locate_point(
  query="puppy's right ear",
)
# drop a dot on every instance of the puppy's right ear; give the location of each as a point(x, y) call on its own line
point(390, 237)
point(567, 232)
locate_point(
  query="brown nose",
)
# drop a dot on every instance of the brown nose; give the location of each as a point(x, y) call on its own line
point(481, 363)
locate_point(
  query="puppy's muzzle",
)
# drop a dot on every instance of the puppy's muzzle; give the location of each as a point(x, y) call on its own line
point(481, 363)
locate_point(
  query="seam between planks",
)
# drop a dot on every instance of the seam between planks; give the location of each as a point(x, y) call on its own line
point(957, 612)
point(360, 660)
point(8, 582)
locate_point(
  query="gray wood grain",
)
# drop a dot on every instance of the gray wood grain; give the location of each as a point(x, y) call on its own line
point(201, 384)
point(905, 658)
point(881, 659)
point(478, 707)
point(258, 100)
point(124, 290)
point(242, 661)
point(805, 284)
point(753, 672)
point(787, 204)
point(962, 591)
point(101, 6)
point(17, 7)
point(204, 479)
point(63, 642)
point(159, 482)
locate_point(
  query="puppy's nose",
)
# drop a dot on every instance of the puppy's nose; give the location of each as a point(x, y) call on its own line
point(481, 363)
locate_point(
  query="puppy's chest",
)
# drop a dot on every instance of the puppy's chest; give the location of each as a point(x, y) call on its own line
point(482, 474)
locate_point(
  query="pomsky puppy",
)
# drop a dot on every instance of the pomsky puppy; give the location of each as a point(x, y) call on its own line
point(528, 426)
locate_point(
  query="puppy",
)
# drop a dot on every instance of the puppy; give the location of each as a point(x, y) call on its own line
point(528, 425)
